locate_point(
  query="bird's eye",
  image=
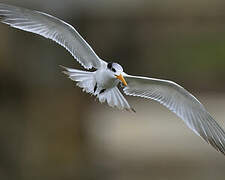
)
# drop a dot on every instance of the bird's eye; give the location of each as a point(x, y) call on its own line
point(109, 66)
point(113, 69)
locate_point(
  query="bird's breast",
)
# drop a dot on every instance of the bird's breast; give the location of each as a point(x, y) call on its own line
point(105, 79)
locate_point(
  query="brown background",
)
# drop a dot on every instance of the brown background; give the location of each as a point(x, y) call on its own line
point(50, 129)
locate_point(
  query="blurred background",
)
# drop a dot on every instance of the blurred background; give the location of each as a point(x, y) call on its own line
point(50, 129)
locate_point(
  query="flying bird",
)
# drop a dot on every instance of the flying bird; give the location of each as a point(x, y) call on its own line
point(104, 81)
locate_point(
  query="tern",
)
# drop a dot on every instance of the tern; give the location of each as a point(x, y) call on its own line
point(104, 81)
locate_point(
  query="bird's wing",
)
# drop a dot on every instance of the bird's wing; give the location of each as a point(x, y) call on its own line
point(52, 28)
point(182, 103)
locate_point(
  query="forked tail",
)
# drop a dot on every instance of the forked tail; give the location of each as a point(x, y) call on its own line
point(84, 79)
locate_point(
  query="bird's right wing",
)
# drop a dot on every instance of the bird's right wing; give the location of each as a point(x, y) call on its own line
point(182, 103)
point(52, 28)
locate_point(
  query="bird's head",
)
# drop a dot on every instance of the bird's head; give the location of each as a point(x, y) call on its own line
point(117, 71)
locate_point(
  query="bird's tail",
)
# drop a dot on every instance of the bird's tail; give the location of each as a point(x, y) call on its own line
point(114, 98)
point(84, 79)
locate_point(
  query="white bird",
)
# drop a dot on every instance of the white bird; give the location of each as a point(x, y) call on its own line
point(105, 80)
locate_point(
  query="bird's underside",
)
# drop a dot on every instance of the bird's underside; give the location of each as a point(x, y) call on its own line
point(86, 81)
point(168, 93)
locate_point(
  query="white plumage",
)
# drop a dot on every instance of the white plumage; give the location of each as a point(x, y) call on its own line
point(104, 81)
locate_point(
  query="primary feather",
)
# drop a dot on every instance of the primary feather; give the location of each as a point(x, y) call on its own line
point(182, 103)
point(52, 28)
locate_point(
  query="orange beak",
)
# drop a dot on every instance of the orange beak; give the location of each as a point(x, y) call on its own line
point(121, 78)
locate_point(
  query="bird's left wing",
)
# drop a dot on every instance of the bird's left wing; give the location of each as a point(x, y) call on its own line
point(52, 28)
point(182, 103)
